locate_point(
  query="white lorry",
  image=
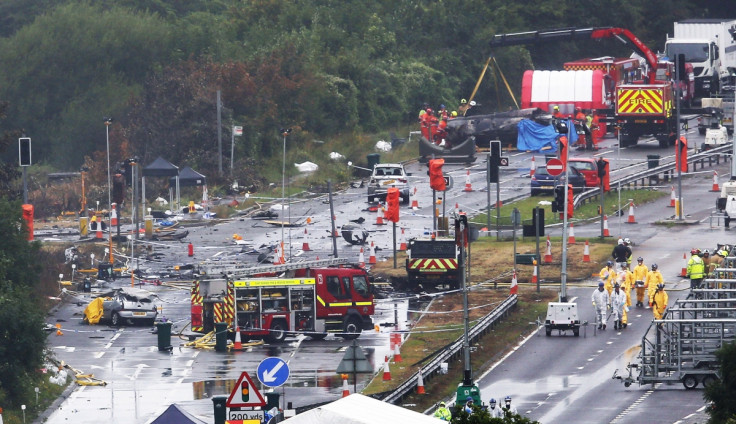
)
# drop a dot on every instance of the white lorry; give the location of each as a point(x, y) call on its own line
point(709, 45)
point(726, 202)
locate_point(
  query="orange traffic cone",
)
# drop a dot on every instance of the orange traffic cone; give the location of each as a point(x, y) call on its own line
point(548, 253)
point(113, 216)
point(277, 255)
point(533, 168)
point(499, 204)
point(397, 353)
point(631, 219)
point(535, 274)
point(468, 186)
point(414, 202)
point(379, 215)
point(683, 273)
point(586, 252)
point(673, 199)
point(606, 232)
point(420, 383)
point(514, 284)
point(571, 236)
point(237, 344)
point(305, 245)
point(361, 259)
point(58, 330)
point(402, 246)
point(386, 370)
point(372, 258)
point(715, 182)
point(345, 390)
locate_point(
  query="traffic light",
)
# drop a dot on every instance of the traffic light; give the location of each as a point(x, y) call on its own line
point(570, 202)
point(244, 391)
point(558, 203)
point(118, 189)
point(492, 170)
point(681, 154)
point(392, 201)
point(24, 151)
point(436, 178)
point(604, 173)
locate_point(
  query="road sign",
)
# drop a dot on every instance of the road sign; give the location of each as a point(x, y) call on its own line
point(448, 182)
point(555, 167)
point(354, 361)
point(246, 416)
point(504, 161)
point(273, 371)
point(237, 130)
point(245, 394)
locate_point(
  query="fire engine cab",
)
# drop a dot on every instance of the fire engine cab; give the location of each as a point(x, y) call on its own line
point(312, 301)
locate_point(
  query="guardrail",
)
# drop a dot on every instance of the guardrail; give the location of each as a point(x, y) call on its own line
point(433, 367)
point(668, 171)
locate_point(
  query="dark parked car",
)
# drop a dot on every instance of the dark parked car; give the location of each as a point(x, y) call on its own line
point(543, 183)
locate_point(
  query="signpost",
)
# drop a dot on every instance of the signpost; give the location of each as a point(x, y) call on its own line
point(273, 371)
point(555, 167)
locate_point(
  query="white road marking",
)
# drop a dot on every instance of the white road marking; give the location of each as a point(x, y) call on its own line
point(189, 363)
point(603, 153)
point(98, 355)
point(636, 403)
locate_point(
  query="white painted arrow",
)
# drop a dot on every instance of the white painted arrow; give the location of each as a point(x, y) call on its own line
point(269, 376)
point(137, 372)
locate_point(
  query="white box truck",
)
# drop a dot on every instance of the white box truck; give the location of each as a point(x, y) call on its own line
point(710, 46)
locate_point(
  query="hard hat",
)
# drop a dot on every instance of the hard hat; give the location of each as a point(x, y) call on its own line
point(492, 400)
point(442, 403)
point(617, 285)
point(556, 108)
point(620, 241)
point(660, 285)
point(624, 264)
point(706, 252)
point(472, 103)
point(508, 399)
point(463, 101)
point(453, 114)
point(468, 399)
point(640, 259)
point(654, 266)
point(442, 106)
point(600, 284)
point(609, 263)
point(429, 110)
point(694, 251)
point(627, 240)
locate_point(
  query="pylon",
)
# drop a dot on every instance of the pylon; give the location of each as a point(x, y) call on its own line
point(715, 182)
point(372, 258)
point(514, 284)
point(533, 168)
point(420, 383)
point(237, 344)
point(683, 273)
point(414, 202)
point(278, 256)
point(402, 246)
point(673, 199)
point(535, 274)
point(586, 252)
point(606, 232)
point(548, 253)
point(345, 390)
point(397, 352)
point(631, 219)
point(571, 236)
point(379, 216)
point(499, 204)
point(305, 245)
point(113, 216)
point(361, 259)
point(58, 330)
point(386, 371)
point(468, 186)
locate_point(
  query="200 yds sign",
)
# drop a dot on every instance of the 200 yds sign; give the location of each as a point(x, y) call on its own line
point(245, 415)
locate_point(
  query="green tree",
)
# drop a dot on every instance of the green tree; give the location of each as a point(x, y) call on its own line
point(723, 392)
point(22, 338)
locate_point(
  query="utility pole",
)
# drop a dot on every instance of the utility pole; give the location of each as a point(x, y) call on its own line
point(219, 133)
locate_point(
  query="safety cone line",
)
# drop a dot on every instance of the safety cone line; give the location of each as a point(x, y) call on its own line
point(715, 182)
point(535, 275)
point(386, 370)
point(402, 246)
point(631, 219)
point(305, 245)
point(379, 216)
point(683, 272)
point(586, 252)
point(113, 216)
point(361, 258)
point(571, 236)
point(514, 284)
point(372, 258)
point(345, 389)
point(420, 383)
point(238, 343)
point(673, 199)
point(606, 231)
point(468, 187)
point(397, 353)
point(533, 168)
point(548, 253)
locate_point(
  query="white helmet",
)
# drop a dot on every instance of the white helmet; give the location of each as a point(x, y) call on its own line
point(620, 241)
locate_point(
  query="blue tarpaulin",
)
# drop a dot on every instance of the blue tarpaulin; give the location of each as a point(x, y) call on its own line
point(534, 137)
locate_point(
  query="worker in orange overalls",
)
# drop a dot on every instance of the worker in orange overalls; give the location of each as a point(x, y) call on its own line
point(595, 129)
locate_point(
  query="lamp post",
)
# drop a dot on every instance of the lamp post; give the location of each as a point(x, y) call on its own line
point(108, 121)
point(284, 132)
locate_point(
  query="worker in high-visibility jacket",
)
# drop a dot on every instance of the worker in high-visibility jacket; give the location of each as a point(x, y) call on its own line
point(695, 269)
point(640, 276)
point(659, 302)
point(654, 278)
point(607, 275)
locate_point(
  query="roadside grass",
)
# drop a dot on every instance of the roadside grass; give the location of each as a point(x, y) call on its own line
point(47, 394)
point(584, 212)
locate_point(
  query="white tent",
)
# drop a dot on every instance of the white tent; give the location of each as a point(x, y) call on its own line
point(359, 409)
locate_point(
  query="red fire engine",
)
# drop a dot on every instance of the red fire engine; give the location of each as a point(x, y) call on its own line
point(316, 301)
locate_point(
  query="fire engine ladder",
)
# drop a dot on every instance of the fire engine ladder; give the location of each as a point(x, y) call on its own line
point(236, 269)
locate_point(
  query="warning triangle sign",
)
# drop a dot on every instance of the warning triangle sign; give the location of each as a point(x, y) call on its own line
point(245, 394)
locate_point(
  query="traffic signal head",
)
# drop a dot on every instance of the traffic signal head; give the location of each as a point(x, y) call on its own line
point(24, 151)
point(558, 203)
point(244, 391)
point(392, 201)
point(436, 178)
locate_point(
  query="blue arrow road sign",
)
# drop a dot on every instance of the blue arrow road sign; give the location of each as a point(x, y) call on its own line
point(273, 371)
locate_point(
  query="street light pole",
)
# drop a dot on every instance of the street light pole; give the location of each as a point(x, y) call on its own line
point(284, 132)
point(108, 121)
